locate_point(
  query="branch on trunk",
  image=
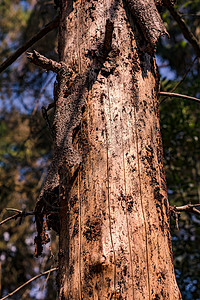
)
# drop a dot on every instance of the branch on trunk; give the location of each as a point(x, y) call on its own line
point(191, 208)
point(183, 26)
point(49, 27)
point(29, 281)
point(179, 96)
point(149, 20)
point(44, 62)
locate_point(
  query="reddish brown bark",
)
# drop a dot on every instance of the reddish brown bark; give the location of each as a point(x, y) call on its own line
point(114, 229)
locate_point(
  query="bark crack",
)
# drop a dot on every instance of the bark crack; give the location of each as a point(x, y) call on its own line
point(142, 205)
point(79, 251)
point(126, 212)
point(109, 210)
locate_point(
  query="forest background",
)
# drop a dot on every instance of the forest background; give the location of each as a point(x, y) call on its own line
point(25, 145)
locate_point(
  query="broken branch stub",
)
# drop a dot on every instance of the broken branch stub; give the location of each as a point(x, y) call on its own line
point(44, 62)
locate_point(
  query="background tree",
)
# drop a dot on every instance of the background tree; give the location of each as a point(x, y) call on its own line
point(178, 181)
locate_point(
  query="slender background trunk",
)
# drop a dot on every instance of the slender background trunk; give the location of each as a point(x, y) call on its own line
point(114, 230)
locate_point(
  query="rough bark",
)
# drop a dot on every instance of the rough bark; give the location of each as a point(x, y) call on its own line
point(114, 229)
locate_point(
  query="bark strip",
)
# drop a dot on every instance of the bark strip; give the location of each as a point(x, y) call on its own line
point(146, 14)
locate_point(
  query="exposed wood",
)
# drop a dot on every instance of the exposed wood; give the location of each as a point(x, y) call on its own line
point(114, 229)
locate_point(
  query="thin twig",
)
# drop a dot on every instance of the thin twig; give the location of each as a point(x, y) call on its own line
point(191, 208)
point(189, 36)
point(182, 79)
point(44, 286)
point(13, 209)
point(19, 214)
point(8, 219)
point(179, 96)
point(29, 281)
point(49, 27)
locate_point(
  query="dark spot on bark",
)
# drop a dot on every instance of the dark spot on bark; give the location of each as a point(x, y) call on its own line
point(92, 229)
point(101, 98)
point(125, 270)
point(165, 201)
point(73, 201)
point(108, 280)
point(76, 227)
point(71, 270)
point(102, 115)
point(153, 181)
point(135, 63)
point(96, 268)
point(126, 202)
point(130, 204)
point(157, 195)
point(159, 201)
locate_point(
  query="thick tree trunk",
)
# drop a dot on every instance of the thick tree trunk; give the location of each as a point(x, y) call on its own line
point(114, 230)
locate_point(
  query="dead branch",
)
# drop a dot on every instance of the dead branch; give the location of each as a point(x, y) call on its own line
point(181, 81)
point(8, 219)
point(44, 62)
point(191, 208)
point(168, 94)
point(13, 209)
point(29, 281)
point(49, 27)
point(184, 28)
point(20, 214)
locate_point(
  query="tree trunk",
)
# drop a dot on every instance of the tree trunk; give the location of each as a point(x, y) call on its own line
point(115, 238)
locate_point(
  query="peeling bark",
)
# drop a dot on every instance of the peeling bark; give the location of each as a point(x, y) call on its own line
point(114, 229)
point(149, 21)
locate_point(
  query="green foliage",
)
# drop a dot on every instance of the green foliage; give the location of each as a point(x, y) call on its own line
point(176, 49)
point(23, 155)
point(25, 148)
point(181, 134)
